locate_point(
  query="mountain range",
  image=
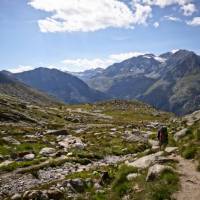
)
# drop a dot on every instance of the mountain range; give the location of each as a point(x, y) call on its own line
point(170, 81)
point(12, 87)
point(63, 86)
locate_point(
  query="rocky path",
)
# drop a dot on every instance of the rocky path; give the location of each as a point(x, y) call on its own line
point(189, 180)
point(15, 182)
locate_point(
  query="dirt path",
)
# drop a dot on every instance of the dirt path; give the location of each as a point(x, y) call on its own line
point(189, 180)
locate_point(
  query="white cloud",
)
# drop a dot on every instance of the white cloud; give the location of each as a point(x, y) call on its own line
point(194, 22)
point(20, 68)
point(188, 9)
point(141, 14)
point(156, 24)
point(81, 64)
point(124, 56)
point(83, 15)
point(164, 3)
point(172, 18)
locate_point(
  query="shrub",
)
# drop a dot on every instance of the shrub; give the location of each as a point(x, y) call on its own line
point(197, 134)
point(189, 152)
point(120, 184)
point(165, 186)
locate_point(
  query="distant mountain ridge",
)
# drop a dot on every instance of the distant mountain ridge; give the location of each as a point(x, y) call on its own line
point(87, 74)
point(12, 87)
point(61, 85)
point(170, 81)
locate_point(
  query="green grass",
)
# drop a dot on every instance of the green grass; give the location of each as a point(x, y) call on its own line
point(189, 152)
point(164, 187)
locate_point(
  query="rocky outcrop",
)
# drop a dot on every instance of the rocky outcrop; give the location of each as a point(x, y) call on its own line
point(180, 134)
point(146, 161)
point(155, 170)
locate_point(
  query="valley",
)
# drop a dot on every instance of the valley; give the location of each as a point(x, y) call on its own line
point(105, 150)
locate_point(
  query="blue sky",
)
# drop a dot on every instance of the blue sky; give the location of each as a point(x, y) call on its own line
point(75, 35)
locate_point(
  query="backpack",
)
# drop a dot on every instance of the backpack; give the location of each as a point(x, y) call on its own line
point(163, 135)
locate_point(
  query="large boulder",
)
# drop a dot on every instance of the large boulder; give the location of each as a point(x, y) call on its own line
point(146, 161)
point(47, 151)
point(180, 134)
point(155, 171)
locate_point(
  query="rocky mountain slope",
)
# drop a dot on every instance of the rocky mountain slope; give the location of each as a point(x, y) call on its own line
point(12, 87)
point(169, 81)
point(61, 85)
point(87, 74)
point(106, 150)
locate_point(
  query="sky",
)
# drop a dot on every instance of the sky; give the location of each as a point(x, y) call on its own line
point(75, 35)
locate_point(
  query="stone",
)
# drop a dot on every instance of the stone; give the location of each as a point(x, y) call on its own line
point(54, 194)
point(78, 184)
point(155, 170)
point(97, 186)
point(28, 157)
point(155, 148)
point(1, 158)
point(47, 151)
point(153, 142)
point(171, 149)
point(57, 132)
point(180, 134)
point(11, 140)
point(71, 142)
point(105, 178)
point(131, 176)
point(6, 163)
point(136, 136)
point(146, 161)
point(79, 145)
point(16, 197)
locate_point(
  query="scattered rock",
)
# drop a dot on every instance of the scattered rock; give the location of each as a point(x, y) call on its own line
point(105, 178)
point(171, 149)
point(70, 142)
point(28, 157)
point(180, 134)
point(155, 170)
point(78, 184)
point(97, 186)
point(47, 151)
point(135, 136)
point(6, 163)
point(57, 132)
point(131, 176)
point(11, 140)
point(54, 193)
point(16, 197)
point(153, 142)
point(1, 158)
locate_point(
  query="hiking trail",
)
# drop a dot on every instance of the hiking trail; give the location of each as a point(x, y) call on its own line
point(189, 180)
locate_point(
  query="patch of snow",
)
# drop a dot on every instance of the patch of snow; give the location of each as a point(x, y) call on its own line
point(162, 60)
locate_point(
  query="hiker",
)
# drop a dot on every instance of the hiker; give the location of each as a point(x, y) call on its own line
point(163, 137)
